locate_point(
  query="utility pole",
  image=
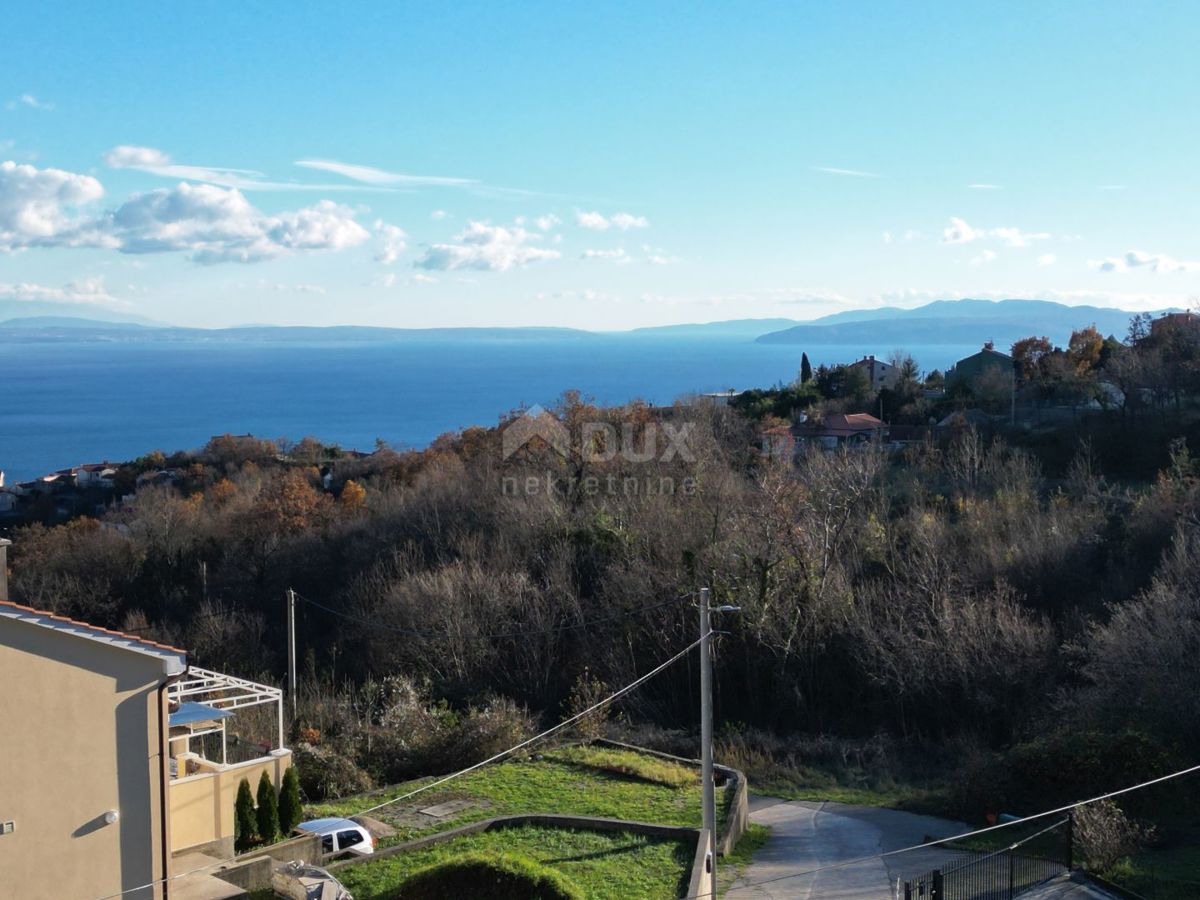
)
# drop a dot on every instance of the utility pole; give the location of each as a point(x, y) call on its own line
point(291, 649)
point(708, 796)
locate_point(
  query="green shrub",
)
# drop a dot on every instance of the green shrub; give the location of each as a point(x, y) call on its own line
point(245, 827)
point(1074, 765)
point(587, 692)
point(488, 876)
point(324, 773)
point(1105, 835)
point(268, 809)
point(291, 810)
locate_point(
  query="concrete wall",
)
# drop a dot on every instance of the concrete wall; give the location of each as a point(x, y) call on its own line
point(79, 736)
point(202, 804)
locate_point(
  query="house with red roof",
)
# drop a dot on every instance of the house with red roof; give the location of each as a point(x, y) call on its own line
point(785, 442)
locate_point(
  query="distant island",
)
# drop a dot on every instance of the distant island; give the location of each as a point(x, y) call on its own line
point(956, 322)
point(943, 322)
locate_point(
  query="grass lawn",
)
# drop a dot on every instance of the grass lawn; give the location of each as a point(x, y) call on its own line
point(809, 784)
point(606, 866)
point(1161, 874)
point(615, 784)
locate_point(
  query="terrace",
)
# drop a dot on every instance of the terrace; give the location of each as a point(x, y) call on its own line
point(222, 730)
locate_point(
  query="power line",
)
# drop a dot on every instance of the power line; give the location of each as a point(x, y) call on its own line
point(549, 731)
point(522, 632)
point(960, 837)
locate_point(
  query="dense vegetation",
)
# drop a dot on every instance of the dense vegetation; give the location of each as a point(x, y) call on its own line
point(1022, 607)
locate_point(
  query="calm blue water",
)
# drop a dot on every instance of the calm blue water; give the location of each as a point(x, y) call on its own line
point(65, 404)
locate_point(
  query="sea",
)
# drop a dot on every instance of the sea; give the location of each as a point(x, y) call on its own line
point(64, 404)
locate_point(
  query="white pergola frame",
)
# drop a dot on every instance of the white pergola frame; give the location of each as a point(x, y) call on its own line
point(224, 692)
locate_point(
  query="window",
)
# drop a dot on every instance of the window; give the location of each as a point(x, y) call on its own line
point(348, 839)
point(327, 843)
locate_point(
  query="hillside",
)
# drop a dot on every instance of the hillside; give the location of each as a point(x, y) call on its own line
point(955, 322)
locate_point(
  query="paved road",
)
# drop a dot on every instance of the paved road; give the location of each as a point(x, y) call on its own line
point(807, 835)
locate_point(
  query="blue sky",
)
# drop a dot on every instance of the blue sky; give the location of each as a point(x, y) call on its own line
point(600, 166)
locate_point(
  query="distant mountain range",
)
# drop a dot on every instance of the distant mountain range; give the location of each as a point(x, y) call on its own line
point(939, 323)
point(955, 322)
point(73, 312)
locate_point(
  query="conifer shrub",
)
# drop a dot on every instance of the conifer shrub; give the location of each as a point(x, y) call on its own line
point(245, 826)
point(268, 809)
point(290, 808)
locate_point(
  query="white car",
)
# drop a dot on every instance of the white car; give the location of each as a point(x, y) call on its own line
point(340, 836)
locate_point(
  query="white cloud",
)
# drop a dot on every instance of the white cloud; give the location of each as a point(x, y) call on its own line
point(438, 214)
point(619, 255)
point(959, 232)
point(215, 224)
point(659, 259)
point(625, 221)
point(852, 173)
point(492, 248)
point(422, 278)
point(284, 288)
point(48, 208)
point(586, 294)
point(155, 162)
point(1139, 259)
point(127, 156)
point(392, 241)
point(85, 290)
point(1047, 259)
point(31, 102)
point(1014, 237)
point(594, 221)
point(982, 186)
point(983, 258)
point(371, 175)
point(547, 222)
point(42, 207)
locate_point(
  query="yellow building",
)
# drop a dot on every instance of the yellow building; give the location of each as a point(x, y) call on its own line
point(118, 767)
point(84, 773)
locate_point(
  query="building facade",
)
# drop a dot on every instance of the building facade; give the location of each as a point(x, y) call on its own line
point(84, 781)
point(969, 369)
point(879, 374)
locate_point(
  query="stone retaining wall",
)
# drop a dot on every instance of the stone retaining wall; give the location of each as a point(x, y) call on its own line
point(737, 820)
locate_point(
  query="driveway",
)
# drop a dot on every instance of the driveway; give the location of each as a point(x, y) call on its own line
point(806, 835)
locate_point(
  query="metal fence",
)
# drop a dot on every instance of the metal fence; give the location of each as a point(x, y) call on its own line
point(1001, 874)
